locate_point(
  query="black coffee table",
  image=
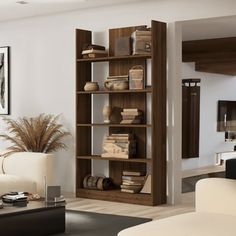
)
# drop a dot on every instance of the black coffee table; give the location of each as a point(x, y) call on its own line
point(37, 219)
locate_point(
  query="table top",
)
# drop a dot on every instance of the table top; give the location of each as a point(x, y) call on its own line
point(31, 207)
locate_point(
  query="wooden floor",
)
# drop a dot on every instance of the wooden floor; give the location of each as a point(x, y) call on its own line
point(115, 208)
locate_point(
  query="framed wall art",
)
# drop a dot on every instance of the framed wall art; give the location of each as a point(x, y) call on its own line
point(4, 81)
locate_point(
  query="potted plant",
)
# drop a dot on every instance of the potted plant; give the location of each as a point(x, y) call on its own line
point(36, 134)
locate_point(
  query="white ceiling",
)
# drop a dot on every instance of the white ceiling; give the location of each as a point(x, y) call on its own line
point(10, 10)
point(218, 27)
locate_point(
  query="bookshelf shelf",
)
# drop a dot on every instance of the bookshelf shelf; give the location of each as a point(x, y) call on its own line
point(116, 195)
point(97, 157)
point(154, 95)
point(114, 58)
point(116, 125)
point(147, 90)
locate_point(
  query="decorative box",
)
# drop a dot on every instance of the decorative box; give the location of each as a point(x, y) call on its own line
point(136, 77)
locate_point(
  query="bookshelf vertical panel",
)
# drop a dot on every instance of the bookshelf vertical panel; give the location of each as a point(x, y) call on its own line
point(159, 112)
point(83, 110)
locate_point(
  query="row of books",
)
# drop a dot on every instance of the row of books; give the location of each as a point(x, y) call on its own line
point(132, 181)
point(131, 116)
point(119, 146)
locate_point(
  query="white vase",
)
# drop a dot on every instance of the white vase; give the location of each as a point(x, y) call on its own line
point(106, 113)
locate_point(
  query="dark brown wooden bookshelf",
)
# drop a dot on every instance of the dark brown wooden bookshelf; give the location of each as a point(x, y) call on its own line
point(156, 163)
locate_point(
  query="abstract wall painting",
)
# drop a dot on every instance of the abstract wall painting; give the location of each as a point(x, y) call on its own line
point(4, 81)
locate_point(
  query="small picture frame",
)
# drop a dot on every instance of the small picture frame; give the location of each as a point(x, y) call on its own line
point(4, 81)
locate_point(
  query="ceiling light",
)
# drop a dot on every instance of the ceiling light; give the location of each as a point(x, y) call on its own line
point(22, 2)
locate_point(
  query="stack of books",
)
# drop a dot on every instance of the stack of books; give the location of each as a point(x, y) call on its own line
point(119, 146)
point(132, 181)
point(131, 116)
point(94, 51)
point(141, 42)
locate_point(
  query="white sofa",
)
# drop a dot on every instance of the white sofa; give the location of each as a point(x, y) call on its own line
point(215, 214)
point(25, 171)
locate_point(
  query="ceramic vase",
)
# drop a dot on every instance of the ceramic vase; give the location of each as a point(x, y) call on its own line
point(106, 113)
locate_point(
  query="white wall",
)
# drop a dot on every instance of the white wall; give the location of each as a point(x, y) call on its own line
point(214, 87)
point(43, 64)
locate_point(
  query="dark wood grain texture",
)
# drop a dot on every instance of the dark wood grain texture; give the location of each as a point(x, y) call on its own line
point(131, 100)
point(190, 120)
point(96, 157)
point(146, 90)
point(83, 109)
point(114, 58)
point(117, 196)
point(126, 99)
point(211, 55)
point(116, 125)
point(159, 112)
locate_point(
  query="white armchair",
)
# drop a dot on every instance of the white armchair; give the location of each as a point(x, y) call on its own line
point(215, 214)
point(25, 171)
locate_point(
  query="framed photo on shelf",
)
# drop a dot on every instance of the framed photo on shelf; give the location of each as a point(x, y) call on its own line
point(4, 81)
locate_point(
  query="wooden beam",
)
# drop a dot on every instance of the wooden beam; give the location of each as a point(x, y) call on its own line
point(223, 67)
point(220, 49)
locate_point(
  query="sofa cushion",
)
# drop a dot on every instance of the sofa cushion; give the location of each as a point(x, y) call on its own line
point(15, 183)
point(189, 224)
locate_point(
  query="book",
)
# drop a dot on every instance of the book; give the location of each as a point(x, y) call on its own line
point(118, 138)
point(134, 173)
point(116, 155)
point(128, 141)
point(132, 187)
point(133, 178)
point(131, 113)
point(94, 55)
point(122, 135)
point(141, 33)
point(93, 46)
point(130, 109)
point(130, 190)
point(116, 77)
point(130, 117)
point(93, 51)
point(120, 145)
point(135, 121)
point(137, 183)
